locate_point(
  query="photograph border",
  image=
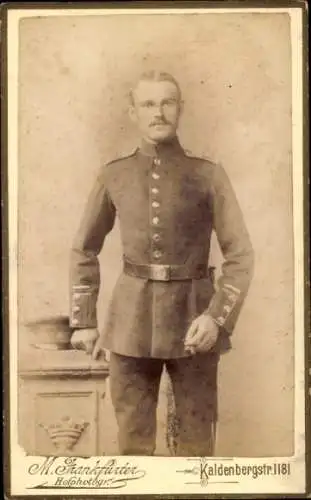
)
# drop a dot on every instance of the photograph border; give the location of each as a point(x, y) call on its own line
point(5, 209)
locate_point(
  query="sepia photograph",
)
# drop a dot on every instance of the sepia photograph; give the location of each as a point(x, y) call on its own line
point(156, 307)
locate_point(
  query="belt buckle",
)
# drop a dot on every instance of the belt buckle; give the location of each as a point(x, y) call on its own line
point(160, 272)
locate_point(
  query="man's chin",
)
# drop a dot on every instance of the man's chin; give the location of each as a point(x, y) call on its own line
point(161, 136)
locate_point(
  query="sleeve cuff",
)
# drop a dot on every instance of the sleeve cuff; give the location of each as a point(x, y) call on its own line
point(83, 307)
point(223, 303)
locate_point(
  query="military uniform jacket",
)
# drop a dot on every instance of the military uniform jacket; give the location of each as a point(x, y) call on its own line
point(168, 203)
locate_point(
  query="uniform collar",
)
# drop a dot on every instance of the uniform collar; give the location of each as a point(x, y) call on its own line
point(164, 149)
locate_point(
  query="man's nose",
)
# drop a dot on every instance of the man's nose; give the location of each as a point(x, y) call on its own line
point(158, 111)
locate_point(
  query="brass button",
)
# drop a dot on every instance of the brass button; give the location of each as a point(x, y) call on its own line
point(155, 176)
point(157, 161)
point(157, 254)
point(76, 295)
point(155, 221)
point(156, 237)
point(154, 190)
point(76, 309)
point(155, 204)
point(75, 321)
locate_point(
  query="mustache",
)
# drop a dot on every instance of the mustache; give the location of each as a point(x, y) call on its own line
point(159, 122)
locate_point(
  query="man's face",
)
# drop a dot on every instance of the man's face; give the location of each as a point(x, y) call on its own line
point(156, 109)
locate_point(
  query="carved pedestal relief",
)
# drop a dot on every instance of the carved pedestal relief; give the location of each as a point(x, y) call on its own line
point(65, 432)
point(66, 422)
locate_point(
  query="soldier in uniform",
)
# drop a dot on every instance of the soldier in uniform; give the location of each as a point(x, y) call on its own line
point(165, 310)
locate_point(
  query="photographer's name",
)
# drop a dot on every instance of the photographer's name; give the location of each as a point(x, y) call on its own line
point(73, 472)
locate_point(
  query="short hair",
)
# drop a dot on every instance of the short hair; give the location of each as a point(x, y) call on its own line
point(155, 76)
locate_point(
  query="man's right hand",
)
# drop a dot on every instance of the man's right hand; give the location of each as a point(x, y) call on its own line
point(85, 339)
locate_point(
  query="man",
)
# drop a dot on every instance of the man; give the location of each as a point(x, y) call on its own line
point(165, 310)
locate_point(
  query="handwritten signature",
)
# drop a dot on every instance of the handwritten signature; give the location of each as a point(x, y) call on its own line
point(72, 472)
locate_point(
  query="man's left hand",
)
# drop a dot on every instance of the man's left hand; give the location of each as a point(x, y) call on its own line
point(202, 334)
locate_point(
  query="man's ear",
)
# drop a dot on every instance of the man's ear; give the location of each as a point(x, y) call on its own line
point(132, 113)
point(181, 107)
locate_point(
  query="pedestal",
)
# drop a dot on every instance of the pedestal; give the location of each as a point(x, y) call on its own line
point(62, 404)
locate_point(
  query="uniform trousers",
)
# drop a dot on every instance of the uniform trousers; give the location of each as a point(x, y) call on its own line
point(134, 385)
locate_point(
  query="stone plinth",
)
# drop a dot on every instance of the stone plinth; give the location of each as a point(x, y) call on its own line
point(62, 404)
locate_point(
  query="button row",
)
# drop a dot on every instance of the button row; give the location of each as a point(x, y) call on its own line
point(156, 253)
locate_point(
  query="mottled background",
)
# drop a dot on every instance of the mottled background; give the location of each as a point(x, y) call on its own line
point(234, 70)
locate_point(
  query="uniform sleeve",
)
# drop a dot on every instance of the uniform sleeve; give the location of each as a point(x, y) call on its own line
point(97, 221)
point(236, 247)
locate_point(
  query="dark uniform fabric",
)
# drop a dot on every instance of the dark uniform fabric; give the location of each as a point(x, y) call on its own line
point(135, 387)
point(168, 204)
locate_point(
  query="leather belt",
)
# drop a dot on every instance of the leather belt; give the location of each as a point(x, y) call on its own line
point(164, 272)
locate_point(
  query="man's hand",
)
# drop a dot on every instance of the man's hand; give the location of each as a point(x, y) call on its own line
point(85, 339)
point(88, 340)
point(202, 334)
point(98, 350)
